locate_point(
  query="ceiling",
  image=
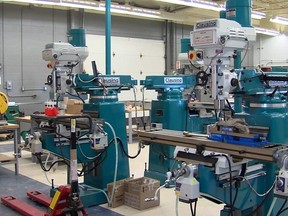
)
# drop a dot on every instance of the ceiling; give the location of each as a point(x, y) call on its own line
point(270, 7)
point(181, 11)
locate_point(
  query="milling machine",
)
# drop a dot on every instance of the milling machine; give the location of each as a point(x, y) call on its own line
point(184, 102)
point(169, 111)
point(95, 138)
point(94, 151)
point(243, 175)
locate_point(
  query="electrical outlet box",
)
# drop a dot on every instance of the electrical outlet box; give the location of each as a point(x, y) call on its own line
point(199, 55)
point(8, 85)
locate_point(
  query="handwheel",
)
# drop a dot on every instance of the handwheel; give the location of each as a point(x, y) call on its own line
point(201, 78)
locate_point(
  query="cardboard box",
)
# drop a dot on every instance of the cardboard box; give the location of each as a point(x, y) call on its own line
point(137, 190)
point(74, 106)
point(118, 199)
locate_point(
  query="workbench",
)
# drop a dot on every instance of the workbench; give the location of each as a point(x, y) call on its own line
point(130, 113)
point(26, 119)
point(176, 138)
point(19, 120)
point(4, 159)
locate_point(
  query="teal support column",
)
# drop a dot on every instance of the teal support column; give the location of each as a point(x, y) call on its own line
point(238, 104)
point(108, 37)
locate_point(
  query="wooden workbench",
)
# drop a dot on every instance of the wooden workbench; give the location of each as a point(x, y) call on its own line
point(11, 159)
point(26, 119)
point(19, 120)
point(4, 159)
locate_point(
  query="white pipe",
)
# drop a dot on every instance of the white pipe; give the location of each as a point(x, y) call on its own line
point(176, 207)
point(272, 205)
point(45, 164)
point(116, 162)
point(100, 190)
point(155, 198)
point(116, 169)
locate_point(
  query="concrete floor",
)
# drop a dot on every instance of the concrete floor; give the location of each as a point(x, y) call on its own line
point(167, 204)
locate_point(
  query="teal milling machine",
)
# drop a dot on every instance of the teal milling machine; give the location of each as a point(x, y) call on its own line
point(260, 98)
point(96, 151)
point(167, 112)
point(175, 110)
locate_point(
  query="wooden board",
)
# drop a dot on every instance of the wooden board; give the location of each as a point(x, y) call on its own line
point(9, 127)
point(23, 119)
point(6, 158)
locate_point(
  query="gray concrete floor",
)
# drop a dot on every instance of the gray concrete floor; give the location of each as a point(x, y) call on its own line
point(167, 204)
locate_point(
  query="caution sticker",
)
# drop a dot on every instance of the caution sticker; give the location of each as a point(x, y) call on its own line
point(54, 200)
point(73, 125)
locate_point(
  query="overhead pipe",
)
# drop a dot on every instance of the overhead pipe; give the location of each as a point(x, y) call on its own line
point(108, 36)
point(167, 58)
point(21, 96)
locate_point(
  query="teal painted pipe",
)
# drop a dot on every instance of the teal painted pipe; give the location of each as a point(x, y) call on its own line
point(238, 104)
point(240, 11)
point(222, 14)
point(185, 45)
point(238, 60)
point(108, 36)
point(77, 37)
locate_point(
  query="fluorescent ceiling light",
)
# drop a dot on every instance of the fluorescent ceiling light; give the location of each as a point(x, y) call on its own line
point(207, 5)
point(257, 15)
point(59, 3)
point(131, 11)
point(267, 31)
point(95, 6)
point(197, 4)
point(135, 13)
point(280, 20)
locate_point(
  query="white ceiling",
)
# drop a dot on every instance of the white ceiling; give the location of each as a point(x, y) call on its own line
point(189, 15)
point(270, 7)
point(180, 11)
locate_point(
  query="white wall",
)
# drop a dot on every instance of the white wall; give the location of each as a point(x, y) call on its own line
point(271, 51)
point(126, 60)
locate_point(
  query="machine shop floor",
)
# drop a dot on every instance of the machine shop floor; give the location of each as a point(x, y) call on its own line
point(32, 177)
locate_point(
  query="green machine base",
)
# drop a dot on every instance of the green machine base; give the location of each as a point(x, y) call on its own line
point(89, 196)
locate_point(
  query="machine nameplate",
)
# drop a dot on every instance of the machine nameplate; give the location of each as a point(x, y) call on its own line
point(206, 24)
point(173, 80)
point(203, 37)
point(111, 81)
point(231, 12)
point(277, 83)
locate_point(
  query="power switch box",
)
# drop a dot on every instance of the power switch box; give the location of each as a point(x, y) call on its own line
point(8, 85)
